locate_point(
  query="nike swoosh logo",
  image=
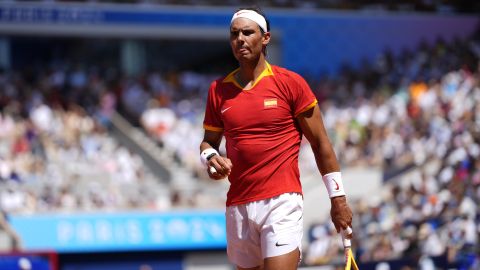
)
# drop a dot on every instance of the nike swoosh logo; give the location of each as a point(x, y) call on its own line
point(226, 109)
point(279, 245)
point(337, 187)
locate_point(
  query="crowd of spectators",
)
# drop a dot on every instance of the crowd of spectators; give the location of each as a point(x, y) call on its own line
point(373, 115)
point(432, 210)
point(431, 118)
point(170, 108)
point(419, 108)
point(55, 156)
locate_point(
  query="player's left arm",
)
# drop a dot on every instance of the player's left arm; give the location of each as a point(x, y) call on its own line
point(311, 124)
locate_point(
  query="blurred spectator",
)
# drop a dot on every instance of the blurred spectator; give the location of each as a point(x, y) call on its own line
point(158, 121)
point(323, 247)
point(14, 242)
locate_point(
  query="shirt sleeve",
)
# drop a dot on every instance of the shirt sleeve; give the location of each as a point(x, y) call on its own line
point(303, 98)
point(212, 120)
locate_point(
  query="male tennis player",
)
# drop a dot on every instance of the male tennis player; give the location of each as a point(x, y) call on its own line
point(263, 110)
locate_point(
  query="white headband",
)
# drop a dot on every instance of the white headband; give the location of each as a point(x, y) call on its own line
point(251, 15)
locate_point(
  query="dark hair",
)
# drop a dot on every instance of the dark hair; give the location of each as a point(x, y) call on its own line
point(259, 11)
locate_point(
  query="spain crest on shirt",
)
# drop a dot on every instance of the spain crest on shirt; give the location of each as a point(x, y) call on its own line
point(270, 103)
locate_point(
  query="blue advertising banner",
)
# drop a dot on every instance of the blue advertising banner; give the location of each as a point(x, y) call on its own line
point(83, 14)
point(325, 41)
point(113, 232)
point(25, 261)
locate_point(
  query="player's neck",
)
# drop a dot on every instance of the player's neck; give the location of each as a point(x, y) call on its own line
point(250, 71)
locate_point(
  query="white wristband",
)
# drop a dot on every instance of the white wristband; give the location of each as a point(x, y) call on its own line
point(207, 153)
point(333, 183)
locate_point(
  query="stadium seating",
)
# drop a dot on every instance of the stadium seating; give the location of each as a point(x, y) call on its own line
point(416, 113)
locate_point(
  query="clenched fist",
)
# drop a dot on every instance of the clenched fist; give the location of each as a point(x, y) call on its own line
point(222, 167)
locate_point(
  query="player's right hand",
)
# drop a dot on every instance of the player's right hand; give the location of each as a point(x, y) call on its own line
point(222, 167)
point(341, 214)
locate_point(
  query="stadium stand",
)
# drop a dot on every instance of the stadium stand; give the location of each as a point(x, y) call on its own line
point(431, 119)
point(56, 156)
point(61, 160)
point(427, 118)
point(417, 113)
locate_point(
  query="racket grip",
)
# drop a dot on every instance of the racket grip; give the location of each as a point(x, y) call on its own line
point(212, 169)
point(347, 242)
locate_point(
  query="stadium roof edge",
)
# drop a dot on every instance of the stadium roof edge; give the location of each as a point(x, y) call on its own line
point(195, 9)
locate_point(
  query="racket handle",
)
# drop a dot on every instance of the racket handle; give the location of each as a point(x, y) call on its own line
point(347, 242)
point(212, 169)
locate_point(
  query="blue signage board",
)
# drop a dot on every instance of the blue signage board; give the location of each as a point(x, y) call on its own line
point(113, 232)
point(325, 41)
point(82, 14)
point(27, 261)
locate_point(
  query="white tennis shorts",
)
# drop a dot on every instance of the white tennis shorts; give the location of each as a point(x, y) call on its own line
point(264, 229)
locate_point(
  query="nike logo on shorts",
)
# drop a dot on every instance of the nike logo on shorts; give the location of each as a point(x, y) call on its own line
point(279, 245)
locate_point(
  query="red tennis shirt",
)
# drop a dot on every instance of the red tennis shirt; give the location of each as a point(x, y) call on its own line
point(262, 136)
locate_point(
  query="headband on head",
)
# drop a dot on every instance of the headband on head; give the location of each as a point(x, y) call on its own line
point(251, 15)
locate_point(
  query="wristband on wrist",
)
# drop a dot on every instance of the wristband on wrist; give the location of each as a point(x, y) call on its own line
point(333, 183)
point(207, 154)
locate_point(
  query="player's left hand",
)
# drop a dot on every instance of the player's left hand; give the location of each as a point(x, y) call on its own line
point(219, 167)
point(341, 214)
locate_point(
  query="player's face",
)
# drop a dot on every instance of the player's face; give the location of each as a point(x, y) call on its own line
point(246, 39)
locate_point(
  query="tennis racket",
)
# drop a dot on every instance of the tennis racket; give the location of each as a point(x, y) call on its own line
point(350, 262)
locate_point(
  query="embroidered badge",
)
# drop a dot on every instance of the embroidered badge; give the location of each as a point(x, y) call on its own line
point(270, 102)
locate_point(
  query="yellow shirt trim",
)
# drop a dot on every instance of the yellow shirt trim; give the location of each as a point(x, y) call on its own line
point(308, 107)
point(212, 128)
point(231, 77)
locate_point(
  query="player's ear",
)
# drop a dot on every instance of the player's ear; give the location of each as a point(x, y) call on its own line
point(266, 38)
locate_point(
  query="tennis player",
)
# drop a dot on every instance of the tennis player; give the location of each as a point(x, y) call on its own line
point(262, 110)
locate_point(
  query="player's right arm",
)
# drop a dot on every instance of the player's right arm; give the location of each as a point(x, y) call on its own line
point(222, 165)
point(311, 124)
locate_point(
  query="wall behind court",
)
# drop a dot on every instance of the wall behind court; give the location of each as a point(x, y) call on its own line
point(310, 42)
